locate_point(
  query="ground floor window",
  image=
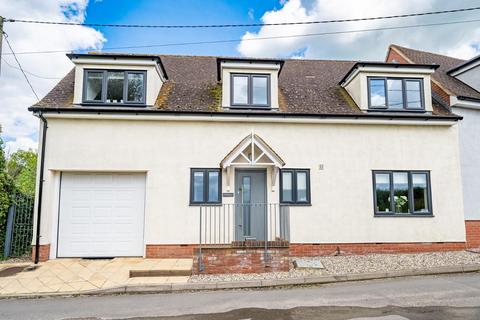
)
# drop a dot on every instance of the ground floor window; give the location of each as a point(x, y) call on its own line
point(295, 186)
point(402, 193)
point(205, 186)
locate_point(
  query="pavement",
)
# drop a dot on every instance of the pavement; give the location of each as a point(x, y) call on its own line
point(66, 276)
point(431, 297)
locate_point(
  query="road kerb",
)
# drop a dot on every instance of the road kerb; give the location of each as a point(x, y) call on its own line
point(199, 286)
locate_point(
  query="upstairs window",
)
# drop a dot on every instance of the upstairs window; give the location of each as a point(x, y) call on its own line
point(250, 90)
point(395, 94)
point(114, 87)
point(402, 193)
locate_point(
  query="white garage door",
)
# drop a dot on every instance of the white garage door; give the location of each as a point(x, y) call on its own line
point(101, 215)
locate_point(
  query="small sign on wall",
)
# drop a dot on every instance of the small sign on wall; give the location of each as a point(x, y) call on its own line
point(227, 194)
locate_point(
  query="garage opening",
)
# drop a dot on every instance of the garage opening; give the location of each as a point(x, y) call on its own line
point(101, 215)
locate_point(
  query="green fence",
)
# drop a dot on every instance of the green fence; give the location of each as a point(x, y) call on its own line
point(19, 227)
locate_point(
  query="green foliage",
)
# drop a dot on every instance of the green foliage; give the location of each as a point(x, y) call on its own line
point(22, 168)
point(5, 192)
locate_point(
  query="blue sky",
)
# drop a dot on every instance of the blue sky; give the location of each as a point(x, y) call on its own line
point(177, 12)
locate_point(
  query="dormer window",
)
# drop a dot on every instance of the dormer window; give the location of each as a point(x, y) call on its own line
point(250, 90)
point(249, 83)
point(114, 87)
point(395, 93)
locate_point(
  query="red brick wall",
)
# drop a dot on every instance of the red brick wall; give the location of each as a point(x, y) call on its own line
point(393, 55)
point(247, 260)
point(472, 228)
point(43, 253)
point(441, 93)
point(305, 250)
point(158, 251)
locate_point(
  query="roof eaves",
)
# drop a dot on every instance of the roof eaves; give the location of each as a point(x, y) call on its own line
point(462, 65)
point(121, 56)
point(249, 60)
point(387, 64)
point(260, 114)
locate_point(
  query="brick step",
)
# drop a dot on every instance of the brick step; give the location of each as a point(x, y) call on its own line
point(184, 272)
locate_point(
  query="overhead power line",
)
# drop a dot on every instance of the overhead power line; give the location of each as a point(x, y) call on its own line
point(239, 25)
point(28, 72)
point(19, 65)
point(259, 38)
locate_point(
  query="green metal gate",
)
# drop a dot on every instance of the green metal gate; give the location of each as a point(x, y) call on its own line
point(19, 228)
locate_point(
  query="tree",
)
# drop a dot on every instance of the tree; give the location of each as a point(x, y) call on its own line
point(21, 168)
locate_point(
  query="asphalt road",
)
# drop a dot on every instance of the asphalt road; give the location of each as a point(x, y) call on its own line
point(440, 297)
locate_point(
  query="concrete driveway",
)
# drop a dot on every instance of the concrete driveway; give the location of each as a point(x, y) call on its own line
point(81, 275)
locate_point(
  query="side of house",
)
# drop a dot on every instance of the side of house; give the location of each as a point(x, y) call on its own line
point(456, 85)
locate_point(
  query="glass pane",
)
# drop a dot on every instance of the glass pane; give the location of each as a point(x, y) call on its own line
point(115, 87)
point(377, 93)
point(395, 94)
point(213, 186)
point(414, 98)
point(94, 86)
point(420, 192)
point(240, 90)
point(301, 186)
point(382, 191)
point(287, 194)
point(136, 88)
point(400, 192)
point(246, 190)
point(246, 199)
point(198, 186)
point(260, 90)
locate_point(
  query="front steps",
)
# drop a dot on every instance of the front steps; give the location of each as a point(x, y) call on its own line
point(163, 268)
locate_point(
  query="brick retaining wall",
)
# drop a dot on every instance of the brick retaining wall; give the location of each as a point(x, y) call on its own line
point(242, 260)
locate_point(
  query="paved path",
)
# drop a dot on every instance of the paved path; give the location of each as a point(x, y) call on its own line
point(447, 291)
point(77, 275)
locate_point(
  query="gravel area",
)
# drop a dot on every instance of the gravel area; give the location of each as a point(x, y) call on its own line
point(16, 260)
point(358, 264)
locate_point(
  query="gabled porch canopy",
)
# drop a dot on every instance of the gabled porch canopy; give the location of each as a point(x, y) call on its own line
point(252, 151)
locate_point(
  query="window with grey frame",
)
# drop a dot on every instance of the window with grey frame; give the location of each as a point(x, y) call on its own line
point(205, 186)
point(402, 193)
point(295, 186)
point(250, 90)
point(395, 94)
point(114, 87)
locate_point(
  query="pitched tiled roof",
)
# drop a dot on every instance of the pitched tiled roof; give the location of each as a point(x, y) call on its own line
point(455, 86)
point(305, 87)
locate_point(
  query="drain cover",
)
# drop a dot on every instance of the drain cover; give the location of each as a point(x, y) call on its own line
point(308, 264)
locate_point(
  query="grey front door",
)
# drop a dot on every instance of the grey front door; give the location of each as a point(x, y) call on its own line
point(251, 207)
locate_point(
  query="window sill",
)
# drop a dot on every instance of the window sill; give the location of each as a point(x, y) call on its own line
point(296, 204)
point(248, 107)
point(392, 215)
point(101, 104)
point(219, 204)
point(397, 110)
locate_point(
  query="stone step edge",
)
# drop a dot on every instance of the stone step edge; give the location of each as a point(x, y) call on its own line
point(160, 273)
point(202, 286)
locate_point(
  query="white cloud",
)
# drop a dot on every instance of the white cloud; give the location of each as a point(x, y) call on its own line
point(20, 143)
point(460, 40)
point(19, 127)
